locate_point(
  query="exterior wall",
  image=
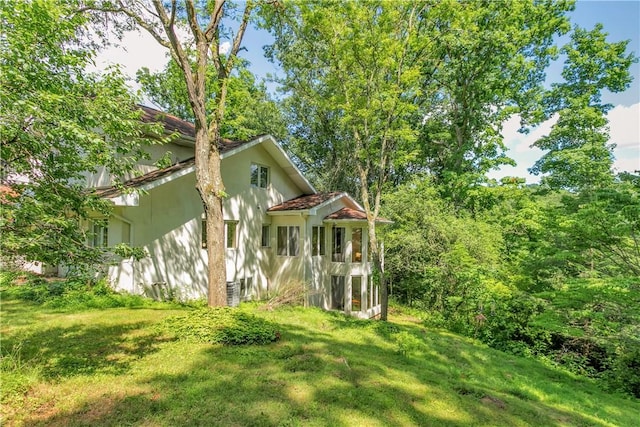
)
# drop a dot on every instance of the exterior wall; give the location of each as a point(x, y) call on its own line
point(167, 224)
point(248, 205)
point(289, 270)
point(101, 177)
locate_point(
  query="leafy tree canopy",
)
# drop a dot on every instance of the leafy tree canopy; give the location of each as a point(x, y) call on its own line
point(58, 123)
point(250, 109)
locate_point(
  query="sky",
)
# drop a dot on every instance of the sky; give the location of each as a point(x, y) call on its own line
point(621, 19)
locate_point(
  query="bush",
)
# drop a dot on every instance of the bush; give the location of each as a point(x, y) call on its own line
point(69, 293)
point(221, 326)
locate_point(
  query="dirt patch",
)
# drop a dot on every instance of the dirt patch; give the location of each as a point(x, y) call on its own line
point(493, 401)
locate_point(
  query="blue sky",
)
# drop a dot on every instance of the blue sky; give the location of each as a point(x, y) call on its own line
point(621, 19)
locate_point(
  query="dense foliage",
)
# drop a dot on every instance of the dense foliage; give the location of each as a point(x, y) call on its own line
point(532, 273)
point(58, 123)
point(66, 294)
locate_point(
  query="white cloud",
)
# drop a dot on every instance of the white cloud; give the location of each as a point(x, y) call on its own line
point(624, 130)
point(225, 47)
point(624, 125)
point(136, 50)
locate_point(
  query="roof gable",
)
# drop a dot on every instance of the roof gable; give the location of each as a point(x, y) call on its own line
point(229, 147)
point(306, 202)
point(348, 214)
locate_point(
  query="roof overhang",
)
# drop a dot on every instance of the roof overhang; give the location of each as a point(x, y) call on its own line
point(269, 144)
point(276, 151)
point(314, 210)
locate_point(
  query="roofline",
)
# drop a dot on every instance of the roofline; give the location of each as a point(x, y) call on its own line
point(364, 221)
point(257, 141)
point(313, 210)
point(166, 179)
point(268, 138)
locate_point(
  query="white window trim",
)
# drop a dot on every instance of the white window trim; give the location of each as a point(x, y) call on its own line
point(288, 239)
point(268, 227)
point(316, 250)
point(260, 167)
point(226, 234)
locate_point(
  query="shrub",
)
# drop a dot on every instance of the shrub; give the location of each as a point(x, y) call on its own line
point(221, 326)
point(69, 293)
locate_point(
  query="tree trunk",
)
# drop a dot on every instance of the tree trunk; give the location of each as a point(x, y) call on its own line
point(211, 188)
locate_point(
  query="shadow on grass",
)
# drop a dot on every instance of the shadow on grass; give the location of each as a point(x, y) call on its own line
point(77, 349)
point(84, 349)
point(313, 377)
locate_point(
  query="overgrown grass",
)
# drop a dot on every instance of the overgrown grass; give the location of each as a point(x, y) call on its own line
point(116, 367)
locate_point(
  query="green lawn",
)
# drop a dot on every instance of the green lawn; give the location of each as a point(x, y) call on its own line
point(115, 367)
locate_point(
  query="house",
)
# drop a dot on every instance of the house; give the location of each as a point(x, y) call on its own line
point(278, 229)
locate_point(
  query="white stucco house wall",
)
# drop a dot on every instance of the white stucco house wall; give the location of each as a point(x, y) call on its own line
point(278, 229)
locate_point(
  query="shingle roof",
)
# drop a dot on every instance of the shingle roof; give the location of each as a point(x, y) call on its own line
point(352, 214)
point(145, 179)
point(174, 124)
point(304, 202)
point(171, 123)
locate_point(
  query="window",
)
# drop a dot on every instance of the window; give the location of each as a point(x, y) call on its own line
point(203, 232)
point(356, 245)
point(230, 234)
point(99, 235)
point(265, 239)
point(337, 292)
point(259, 176)
point(288, 238)
point(126, 232)
point(337, 244)
point(356, 293)
point(373, 292)
point(317, 241)
point(245, 288)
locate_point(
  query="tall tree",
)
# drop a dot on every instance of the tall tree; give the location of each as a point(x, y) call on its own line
point(250, 108)
point(488, 62)
point(57, 123)
point(208, 27)
point(579, 155)
point(356, 65)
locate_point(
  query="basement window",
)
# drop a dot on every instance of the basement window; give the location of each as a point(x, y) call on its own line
point(337, 292)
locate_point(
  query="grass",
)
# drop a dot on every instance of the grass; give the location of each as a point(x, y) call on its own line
point(116, 367)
